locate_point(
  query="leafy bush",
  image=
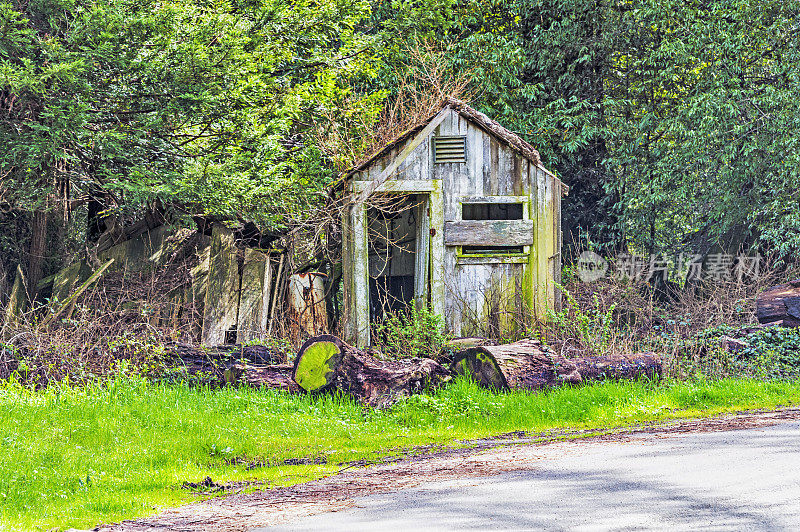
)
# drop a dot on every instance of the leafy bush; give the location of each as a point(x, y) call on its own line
point(418, 332)
point(591, 329)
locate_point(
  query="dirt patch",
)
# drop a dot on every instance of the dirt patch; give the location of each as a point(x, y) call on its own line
point(484, 457)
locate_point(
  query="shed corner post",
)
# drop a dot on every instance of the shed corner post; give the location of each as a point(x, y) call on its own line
point(359, 268)
point(437, 277)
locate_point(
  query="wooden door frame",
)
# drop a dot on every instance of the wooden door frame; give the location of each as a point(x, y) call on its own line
point(356, 253)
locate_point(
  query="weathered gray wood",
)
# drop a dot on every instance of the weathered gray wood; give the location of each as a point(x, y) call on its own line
point(437, 264)
point(275, 291)
point(407, 150)
point(66, 280)
point(360, 275)
point(422, 250)
point(494, 199)
point(254, 285)
point(221, 303)
point(307, 303)
point(69, 301)
point(499, 168)
point(489, 233)
point(17, 299)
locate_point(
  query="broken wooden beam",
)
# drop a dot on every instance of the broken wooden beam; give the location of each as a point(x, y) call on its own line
point(70, 301)
point(16, 300)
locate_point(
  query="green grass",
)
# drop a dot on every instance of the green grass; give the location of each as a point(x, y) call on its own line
point(80, 456)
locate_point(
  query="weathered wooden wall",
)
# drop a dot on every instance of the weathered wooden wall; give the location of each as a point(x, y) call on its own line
point(498, 289)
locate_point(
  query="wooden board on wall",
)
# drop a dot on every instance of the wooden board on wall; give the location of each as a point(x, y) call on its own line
point(489, 233)
point(221, 304)
point(254, 296)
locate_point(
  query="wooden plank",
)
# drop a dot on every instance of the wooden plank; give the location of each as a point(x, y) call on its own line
point(541, 244)
point(422, 255)
point(75, 295)
point(395, 186)
point(222, 295)
point(438, 292)
point(558, 243)
point(253, 304)
point(467, 260)
point(360, 251)
point(494, 188)
point(494, 199)
point(489, 233)
point(16, 300)
point(408, 150)
point(66, 280)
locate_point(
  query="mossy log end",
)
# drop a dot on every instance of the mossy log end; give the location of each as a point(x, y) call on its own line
point(527, 365)
point(327, 363)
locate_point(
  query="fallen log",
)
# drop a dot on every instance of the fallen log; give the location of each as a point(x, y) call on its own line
point(522, 365)
point(276, 377)
point(528, 365)
point(253, 354)
point(327, 363)
point(780, 305)
point(255, 365)
point(619, 367)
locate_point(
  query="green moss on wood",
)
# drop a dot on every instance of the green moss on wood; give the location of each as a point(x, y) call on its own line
point(314, 367)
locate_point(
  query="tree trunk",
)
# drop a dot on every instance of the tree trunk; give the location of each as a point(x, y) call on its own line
point(524, 365)
point(780, 305)
point(619, 367)
point(222, 354)
point(327, 363)
point(36, 251)
point(253, 365)
point(527, 365)
point(276, 377)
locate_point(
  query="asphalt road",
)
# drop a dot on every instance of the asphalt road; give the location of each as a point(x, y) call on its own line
point(734, 480)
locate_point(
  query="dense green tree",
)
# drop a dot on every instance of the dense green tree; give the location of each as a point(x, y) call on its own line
point(201, 107)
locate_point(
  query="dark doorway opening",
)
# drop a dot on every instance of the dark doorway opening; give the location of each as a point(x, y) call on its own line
point(392, 233)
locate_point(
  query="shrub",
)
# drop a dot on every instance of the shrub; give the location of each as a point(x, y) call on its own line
point(590, 329)
point(418, 332)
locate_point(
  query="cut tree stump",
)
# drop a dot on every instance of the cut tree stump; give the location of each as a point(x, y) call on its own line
point(780, 305)
point(327, 363)
point(527, 365)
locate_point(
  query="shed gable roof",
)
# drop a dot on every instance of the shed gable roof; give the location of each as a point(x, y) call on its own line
point(492, 127)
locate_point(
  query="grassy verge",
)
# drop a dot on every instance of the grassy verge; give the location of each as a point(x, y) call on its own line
point(76, 457)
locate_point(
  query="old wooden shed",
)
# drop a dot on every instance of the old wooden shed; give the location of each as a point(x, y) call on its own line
point(457, 214)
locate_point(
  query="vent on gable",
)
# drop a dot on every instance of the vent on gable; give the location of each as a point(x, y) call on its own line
point(449, 149)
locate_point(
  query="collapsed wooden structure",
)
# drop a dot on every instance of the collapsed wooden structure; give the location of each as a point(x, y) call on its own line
point(477, 239)
point(210, 282)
